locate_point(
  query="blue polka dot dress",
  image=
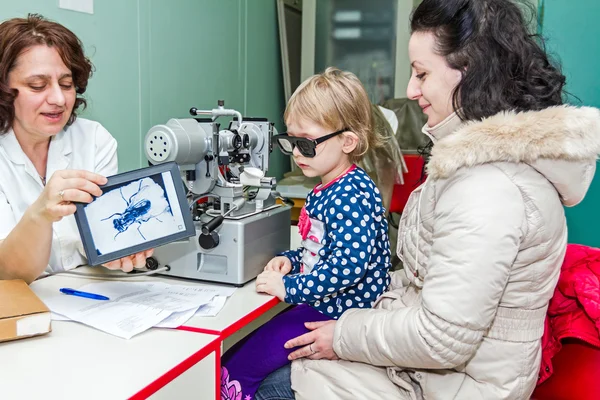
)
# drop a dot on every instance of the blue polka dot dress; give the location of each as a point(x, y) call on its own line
point(345, 255)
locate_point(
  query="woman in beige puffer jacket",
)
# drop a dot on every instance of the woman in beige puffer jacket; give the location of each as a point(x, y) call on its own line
point(482, 240)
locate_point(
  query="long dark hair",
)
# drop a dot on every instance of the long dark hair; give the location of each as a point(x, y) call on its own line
point(19, 34)
point(504, 67)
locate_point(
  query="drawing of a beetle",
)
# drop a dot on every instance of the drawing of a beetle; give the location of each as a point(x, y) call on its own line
point(137, 211)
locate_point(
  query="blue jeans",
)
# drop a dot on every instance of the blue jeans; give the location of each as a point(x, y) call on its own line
point(276, 386)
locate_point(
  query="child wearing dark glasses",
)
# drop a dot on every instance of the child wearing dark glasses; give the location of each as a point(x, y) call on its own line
point(345, 255)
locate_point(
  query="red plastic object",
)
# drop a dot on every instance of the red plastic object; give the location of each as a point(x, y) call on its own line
point(576, 374)
point(400, 194)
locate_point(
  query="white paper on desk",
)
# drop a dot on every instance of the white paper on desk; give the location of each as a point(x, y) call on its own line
point(138, 306)
point(217, 290)
point(208, 310)
point(177, 319)
point(212, 309)
point(120, 319)
point(174, 298)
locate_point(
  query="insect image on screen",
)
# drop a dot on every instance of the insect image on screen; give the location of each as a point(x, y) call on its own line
point(132, 213)
point(137, 211)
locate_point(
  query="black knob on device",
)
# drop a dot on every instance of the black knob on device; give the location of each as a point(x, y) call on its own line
point(209, 241)
point(151, 263)
point(193, 111)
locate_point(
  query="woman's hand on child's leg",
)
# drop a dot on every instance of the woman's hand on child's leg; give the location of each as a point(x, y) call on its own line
point(280, 264)
point(271, 282)
point(318, 344)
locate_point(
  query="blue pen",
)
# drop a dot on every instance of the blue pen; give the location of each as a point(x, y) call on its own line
point(87, 295)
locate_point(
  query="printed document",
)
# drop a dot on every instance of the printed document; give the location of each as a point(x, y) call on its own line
point(137, 306)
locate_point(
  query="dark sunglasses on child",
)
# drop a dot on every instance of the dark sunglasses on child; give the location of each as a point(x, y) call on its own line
point(307, 147)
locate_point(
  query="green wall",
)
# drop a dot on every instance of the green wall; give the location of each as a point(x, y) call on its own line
point(573, 31)
point(155, 59)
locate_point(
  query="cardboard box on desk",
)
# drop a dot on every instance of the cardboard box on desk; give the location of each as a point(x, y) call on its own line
point(22, 313)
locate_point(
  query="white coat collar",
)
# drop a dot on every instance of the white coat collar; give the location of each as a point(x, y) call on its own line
point(58, 151)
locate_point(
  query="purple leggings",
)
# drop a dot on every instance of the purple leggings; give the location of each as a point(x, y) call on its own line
point(247, 363)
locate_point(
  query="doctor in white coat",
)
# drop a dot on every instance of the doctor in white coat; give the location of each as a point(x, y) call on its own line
point(49, 158)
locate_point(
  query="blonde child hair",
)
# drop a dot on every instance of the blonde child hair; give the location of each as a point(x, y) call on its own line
point(335, 100)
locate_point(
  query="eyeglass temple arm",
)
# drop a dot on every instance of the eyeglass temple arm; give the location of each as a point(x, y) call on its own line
point(324, 138)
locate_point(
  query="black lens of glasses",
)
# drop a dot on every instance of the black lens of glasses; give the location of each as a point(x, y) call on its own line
point(306, 147)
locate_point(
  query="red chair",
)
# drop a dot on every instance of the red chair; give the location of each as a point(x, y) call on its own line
point(400, 193)
point(576, 374)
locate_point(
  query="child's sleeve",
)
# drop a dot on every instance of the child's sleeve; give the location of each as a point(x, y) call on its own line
point(294, 256)
point(345, 258)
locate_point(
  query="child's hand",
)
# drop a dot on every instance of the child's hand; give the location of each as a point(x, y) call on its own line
point(280, 264)
point(271, 282)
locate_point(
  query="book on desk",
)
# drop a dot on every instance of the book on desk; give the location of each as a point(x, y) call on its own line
point(22, 313)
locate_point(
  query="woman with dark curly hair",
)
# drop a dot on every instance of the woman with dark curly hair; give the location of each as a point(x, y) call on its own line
point(482, 239)
point(49, 158)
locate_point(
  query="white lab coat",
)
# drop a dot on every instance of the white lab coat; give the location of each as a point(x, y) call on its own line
point(84, 145)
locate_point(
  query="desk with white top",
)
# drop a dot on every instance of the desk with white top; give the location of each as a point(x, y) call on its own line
point(75, 361)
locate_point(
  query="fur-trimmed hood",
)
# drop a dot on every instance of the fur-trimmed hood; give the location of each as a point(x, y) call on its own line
point(562, 143)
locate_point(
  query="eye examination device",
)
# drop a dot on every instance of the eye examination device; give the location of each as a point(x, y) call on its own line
point(239, 226)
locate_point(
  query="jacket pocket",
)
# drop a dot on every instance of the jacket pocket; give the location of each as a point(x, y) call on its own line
point(401, 379)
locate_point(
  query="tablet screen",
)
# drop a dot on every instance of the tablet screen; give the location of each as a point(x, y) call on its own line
point(137, 210)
